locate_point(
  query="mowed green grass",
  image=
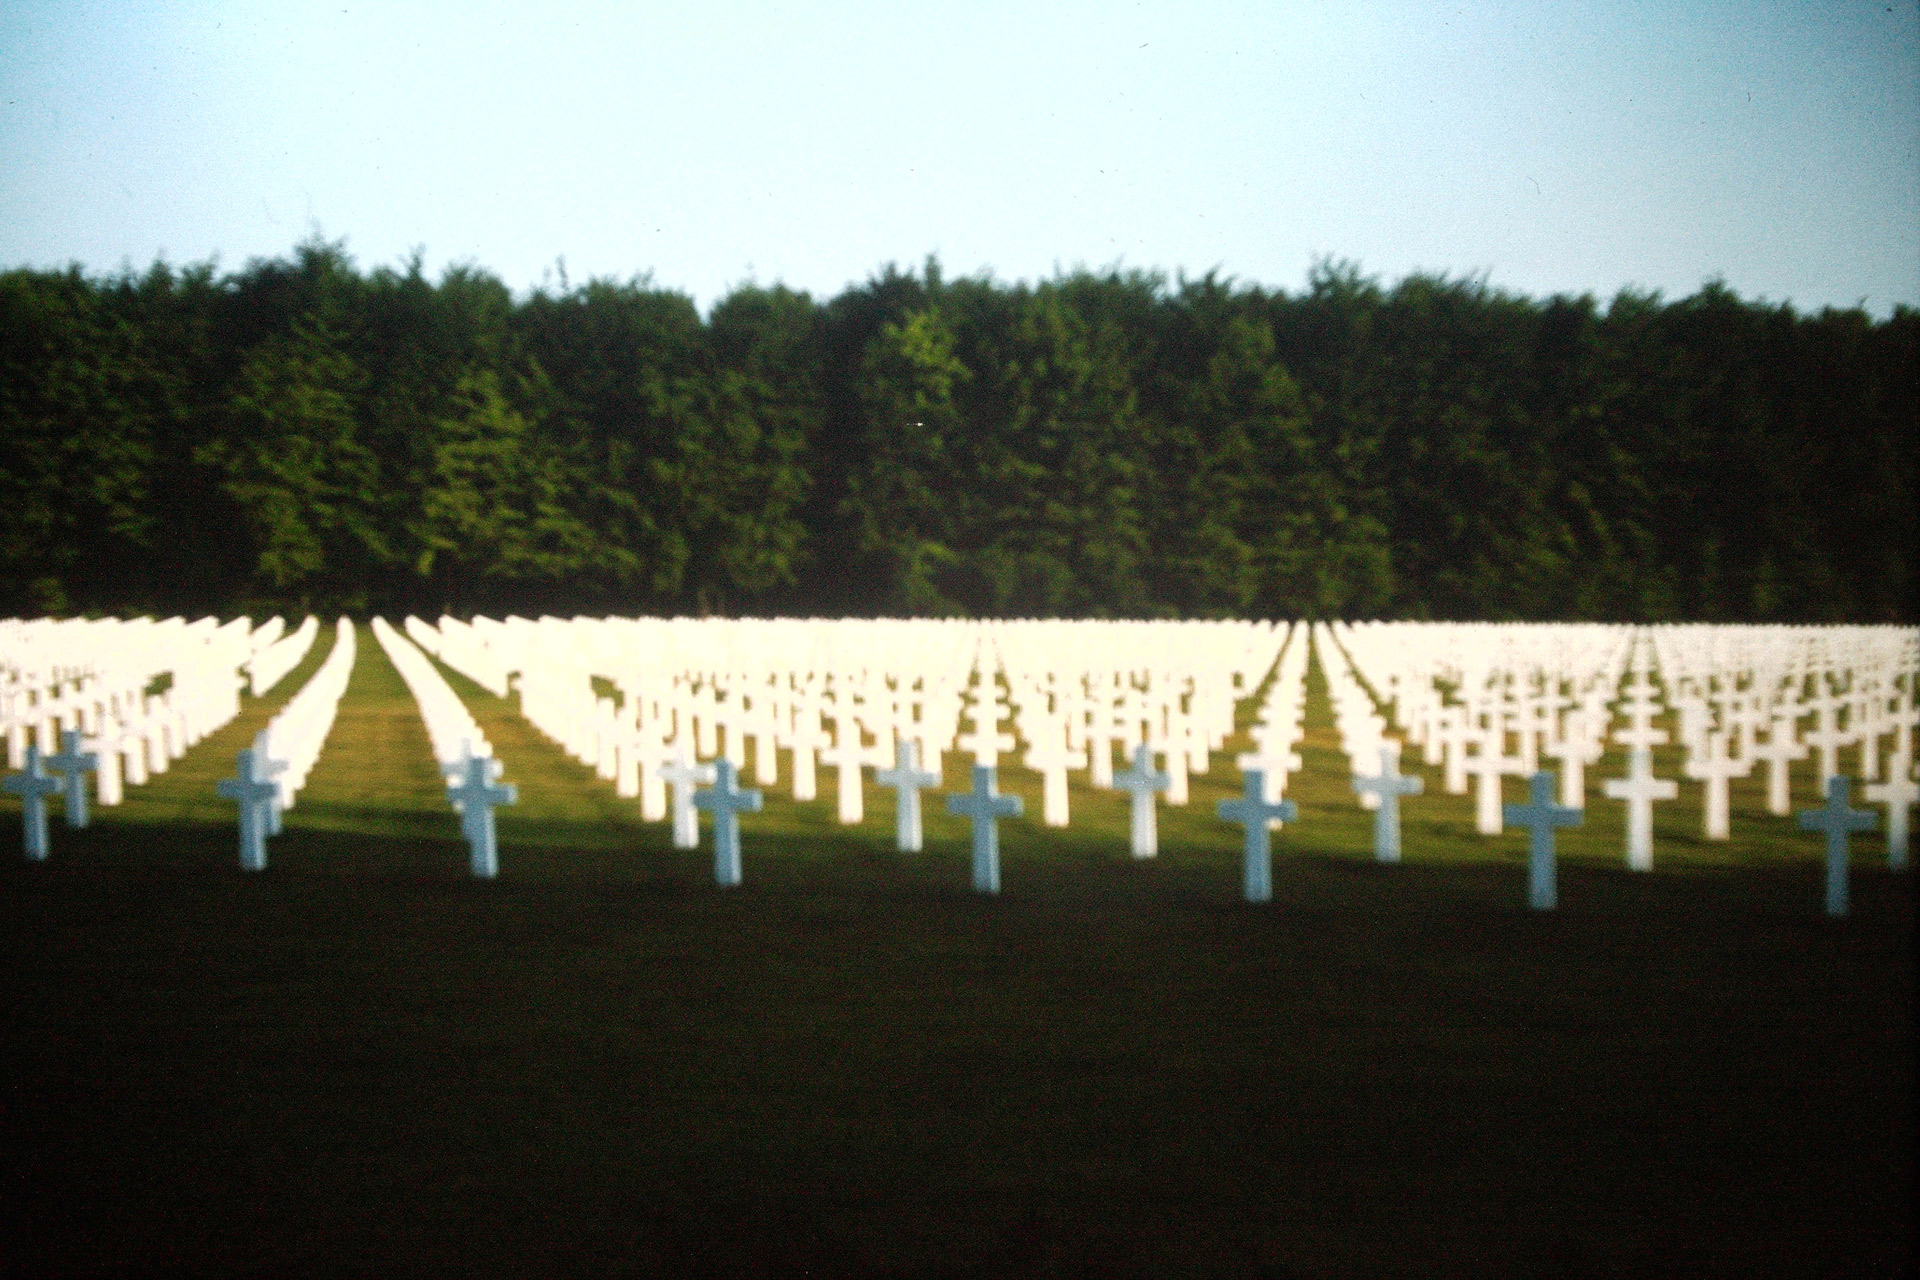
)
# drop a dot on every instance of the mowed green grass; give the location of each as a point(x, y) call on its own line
point(363, 1060)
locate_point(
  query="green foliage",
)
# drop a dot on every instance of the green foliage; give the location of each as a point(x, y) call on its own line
point(300, 434)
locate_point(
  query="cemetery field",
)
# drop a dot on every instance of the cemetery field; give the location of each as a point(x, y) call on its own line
point(364, 1059)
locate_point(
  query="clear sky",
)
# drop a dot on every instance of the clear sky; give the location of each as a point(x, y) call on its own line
point(1554, 147)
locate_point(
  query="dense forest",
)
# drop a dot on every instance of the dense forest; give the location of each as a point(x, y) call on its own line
point(304, 435)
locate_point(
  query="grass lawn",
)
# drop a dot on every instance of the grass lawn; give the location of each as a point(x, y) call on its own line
point(363, 1061)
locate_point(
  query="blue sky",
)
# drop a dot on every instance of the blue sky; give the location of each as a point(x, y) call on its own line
point(1554, 148)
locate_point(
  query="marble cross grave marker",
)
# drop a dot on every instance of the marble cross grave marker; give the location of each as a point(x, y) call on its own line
point(475, 796)
point(908, 780)
point(74, 765)
point(33, 786)
point(269, 768)
point(682, 778)
point(1715, 767)
point(726, 801)
point(1141, 782)
point(846, 755)
point(1488, 766)
point(255, 791)
point(1253, 811)
point(1839, 821)
point(1898, 794)
point(1389, 785)
point(1640, 789)
point(1780, 750)
point(1540, 816)
point(986, 807)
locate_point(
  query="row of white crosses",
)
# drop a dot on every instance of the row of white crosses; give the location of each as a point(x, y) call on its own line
point(1373, 758)
point(675, 691)
point(83, 683)
point(1738, 694)
point(275, 654)
point(681, 701)
point(1277, 725)
point(464, 755)
point(270, 774)
point(1741, 692)
point(92, 676)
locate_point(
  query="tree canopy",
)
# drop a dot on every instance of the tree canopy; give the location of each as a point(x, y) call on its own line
point(304, 435)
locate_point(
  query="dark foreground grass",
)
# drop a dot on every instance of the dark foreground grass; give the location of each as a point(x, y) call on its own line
point(364, 1062)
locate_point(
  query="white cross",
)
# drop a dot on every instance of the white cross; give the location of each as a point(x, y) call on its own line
point(1050, 757)
point(33, 786)
point(1839, 822)
point(1453, 726)
point(1253, 812)
point(1715, 767)
point(1488, 766)
point(1779, 750)
point(1640, 734)
point(1540, 816)
point(985, 806)
point(1172, 749)
point(1827, 737)
point(1898, 793)
point(726, 801)
point(1388, 786)
point(846, 755)
point(255, 792)
point(1141, 782)
point(805, 741)
point(75, 765)
point(682, 778)
point(267, 767)
point(1640, 789)
point(908, 780)
point(1577, 747)
point(985, 740)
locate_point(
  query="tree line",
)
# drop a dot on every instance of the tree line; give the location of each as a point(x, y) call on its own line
point(303, 435)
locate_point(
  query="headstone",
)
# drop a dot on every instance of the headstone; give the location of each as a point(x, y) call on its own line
point(1454, 729)
point(33, 786)
point(682, 778)
point(1050, 757)
point(1140, 782)
point(1253, 811)
point(1540, 816)
point(1488, 766)
point(1780, 750)
point(985, 807)
point(806, 740)
point(1827, 737)
point(1387, 787)
point(1714, 767)
point(475, 797)
point(1639, 789)
point(907, 780)
point(255, 792)
point(726, 801)
point(267, 767)
point(1839, 822)
point(1578, 746)
point(1898, 793)
point(846, 755)
point(74, 765)
point(986, 740)
point(110, 779)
